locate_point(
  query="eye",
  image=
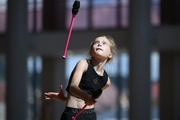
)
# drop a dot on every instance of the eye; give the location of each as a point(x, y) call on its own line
point(96, 42)
point(104, 43)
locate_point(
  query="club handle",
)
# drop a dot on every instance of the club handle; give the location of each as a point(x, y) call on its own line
point(75, 9)
point(74, 117)
point(80, 111)
point(68, 37)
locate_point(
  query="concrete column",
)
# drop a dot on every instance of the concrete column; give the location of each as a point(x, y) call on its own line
point(53, 75)
point(140, 46)
point(177, 88)
point(16, 60)
point(54, 14)
point(172, 14)
point(169, 86)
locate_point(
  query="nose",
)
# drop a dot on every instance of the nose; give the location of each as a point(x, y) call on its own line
point(99, 44)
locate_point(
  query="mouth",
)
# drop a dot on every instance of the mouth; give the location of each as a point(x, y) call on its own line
point(99, 49)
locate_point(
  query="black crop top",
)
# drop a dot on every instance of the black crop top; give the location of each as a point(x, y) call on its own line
point(90, 81)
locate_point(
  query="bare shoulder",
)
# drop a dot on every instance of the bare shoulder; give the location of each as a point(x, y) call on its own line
point(82, 61)
point(82, 64)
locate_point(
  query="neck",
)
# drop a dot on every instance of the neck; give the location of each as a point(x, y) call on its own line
point(98, 64)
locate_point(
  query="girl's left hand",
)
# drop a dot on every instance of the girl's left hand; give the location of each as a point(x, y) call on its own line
point(89, 100)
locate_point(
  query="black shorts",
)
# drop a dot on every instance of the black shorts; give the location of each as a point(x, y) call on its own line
point(86, 114)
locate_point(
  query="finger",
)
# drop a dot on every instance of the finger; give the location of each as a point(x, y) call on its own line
point(94, 100)
point(47, 93)
point(61, 86)
point(47, 98)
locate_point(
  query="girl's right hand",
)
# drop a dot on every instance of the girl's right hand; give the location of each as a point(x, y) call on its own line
point(51, 95)
point(55, 95)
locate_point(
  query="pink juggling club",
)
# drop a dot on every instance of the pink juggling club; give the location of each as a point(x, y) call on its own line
point(75, 10)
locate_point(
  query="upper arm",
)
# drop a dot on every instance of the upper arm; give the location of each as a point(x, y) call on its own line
point(78, 71)
point(107, 84)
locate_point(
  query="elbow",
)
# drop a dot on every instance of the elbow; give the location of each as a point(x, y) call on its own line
point(71, 89)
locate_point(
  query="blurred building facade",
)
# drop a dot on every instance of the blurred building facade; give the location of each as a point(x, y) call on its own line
point(138, 34)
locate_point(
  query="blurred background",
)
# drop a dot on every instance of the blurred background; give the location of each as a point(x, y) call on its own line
point(145, 72)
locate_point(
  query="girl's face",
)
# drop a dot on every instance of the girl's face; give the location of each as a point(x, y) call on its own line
point(101, 48)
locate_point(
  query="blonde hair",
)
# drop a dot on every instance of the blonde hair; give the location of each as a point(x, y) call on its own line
point(113, 46)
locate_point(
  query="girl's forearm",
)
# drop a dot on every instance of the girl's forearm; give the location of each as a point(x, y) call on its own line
point(76, 91)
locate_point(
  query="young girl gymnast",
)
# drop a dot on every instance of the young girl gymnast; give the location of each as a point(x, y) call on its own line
point(87, 77)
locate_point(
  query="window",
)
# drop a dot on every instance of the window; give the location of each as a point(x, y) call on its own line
point(3, 10)
point(93, 14)
point(99, 14)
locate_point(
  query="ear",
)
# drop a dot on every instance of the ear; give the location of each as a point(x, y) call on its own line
point(110, 55)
